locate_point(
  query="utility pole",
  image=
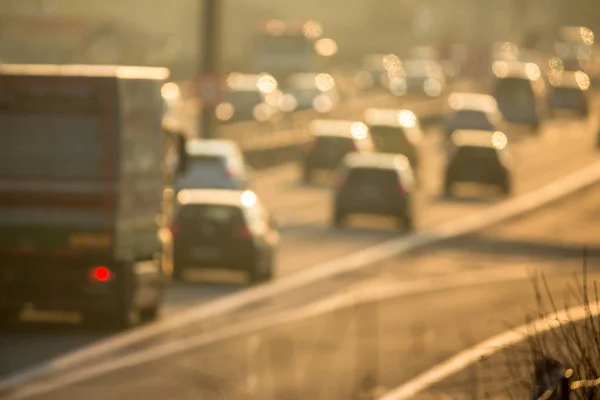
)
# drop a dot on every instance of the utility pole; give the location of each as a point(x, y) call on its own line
point(210, 23)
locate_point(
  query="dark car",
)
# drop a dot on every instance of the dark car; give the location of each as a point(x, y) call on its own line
point(224, 230)
point(330, 141)
point(396, 132)
point(478, 157)
point(568, 91)
point(421, 77)
point(379, 184)
point(519, 91)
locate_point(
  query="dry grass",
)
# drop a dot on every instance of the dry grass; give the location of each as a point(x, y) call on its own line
point(572, 348)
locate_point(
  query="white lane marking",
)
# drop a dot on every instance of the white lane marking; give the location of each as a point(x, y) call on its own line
point(486, 348)
point(359, 260)
point(253, 348)
point(368, 293)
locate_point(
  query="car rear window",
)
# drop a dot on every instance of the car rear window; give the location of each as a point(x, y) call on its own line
point(372, 177)
point(390, 139)
point(336, 142)
point(206, 172)
point(470, 119)
point(476, 154)
point(196, 215)
point(564, 95)
point(514, 90)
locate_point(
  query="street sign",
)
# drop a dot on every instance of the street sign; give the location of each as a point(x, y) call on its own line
point(210, 89)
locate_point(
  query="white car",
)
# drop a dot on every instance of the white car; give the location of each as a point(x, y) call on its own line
point(472, 111)
point(214, 164)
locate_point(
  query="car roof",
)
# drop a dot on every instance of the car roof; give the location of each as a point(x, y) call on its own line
point(479, 138)
point(391, 117)
point(459, 101)
point(225, 197)
point(569, 80)
point(95, 71)
point(238, 82)
point(339, 128)
point(516, 69)
point(211, 147)
point(376, 160)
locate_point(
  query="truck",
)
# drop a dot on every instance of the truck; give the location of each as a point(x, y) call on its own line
point(87, 163)
point(283, 48)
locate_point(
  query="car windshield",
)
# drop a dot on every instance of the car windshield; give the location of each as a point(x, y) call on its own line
point(206, 172)
point(359, 178)
point(470, 119)
point(389, 139)
point(568, 96)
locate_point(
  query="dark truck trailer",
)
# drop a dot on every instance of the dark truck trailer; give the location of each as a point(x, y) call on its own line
point(86, 169)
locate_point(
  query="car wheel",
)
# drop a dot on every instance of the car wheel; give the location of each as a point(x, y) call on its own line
point(406, 222)
point(339, 218)
point(506, 188)
point(448, 188)
point(9, 319)
point(261, 272)
point(307, 175)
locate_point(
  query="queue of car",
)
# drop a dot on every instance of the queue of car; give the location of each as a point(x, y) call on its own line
point(374, 161)
point(220, 224)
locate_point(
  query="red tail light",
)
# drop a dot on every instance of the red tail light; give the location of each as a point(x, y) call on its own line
point(174, 228)
point(352, 146)
point(339, 182)
point(400, 190)
point(309, 147)
point(242, 233)
point(100, 274)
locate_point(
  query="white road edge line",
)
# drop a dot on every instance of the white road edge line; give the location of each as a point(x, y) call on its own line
point(359, 260)
point(367, 294)
point(486, 348)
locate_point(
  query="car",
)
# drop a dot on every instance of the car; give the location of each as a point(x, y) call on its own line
point(330, 141)
point(395, 131)
point(376, 183)
point(214, 164)
point(478, 157)
point(249, 97)
point(568, 91)
point(310, 91)
point(473, 111)
point(378, 70)
point(224, 230)
point(420, 77)
point(520, 92)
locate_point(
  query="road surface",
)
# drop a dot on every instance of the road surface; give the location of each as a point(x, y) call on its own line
point(563, 146)
point(328, 356)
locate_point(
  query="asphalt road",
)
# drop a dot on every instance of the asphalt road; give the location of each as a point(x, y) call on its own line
point(329, 356)
point(563, 147)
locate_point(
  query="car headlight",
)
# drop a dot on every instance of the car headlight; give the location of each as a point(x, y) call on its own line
point(224, 111)
point(398, 86)
point(322, 103)
point(432, 87)
point(288, 103)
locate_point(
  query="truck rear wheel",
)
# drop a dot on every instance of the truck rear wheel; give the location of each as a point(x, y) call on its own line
point(9, 319)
